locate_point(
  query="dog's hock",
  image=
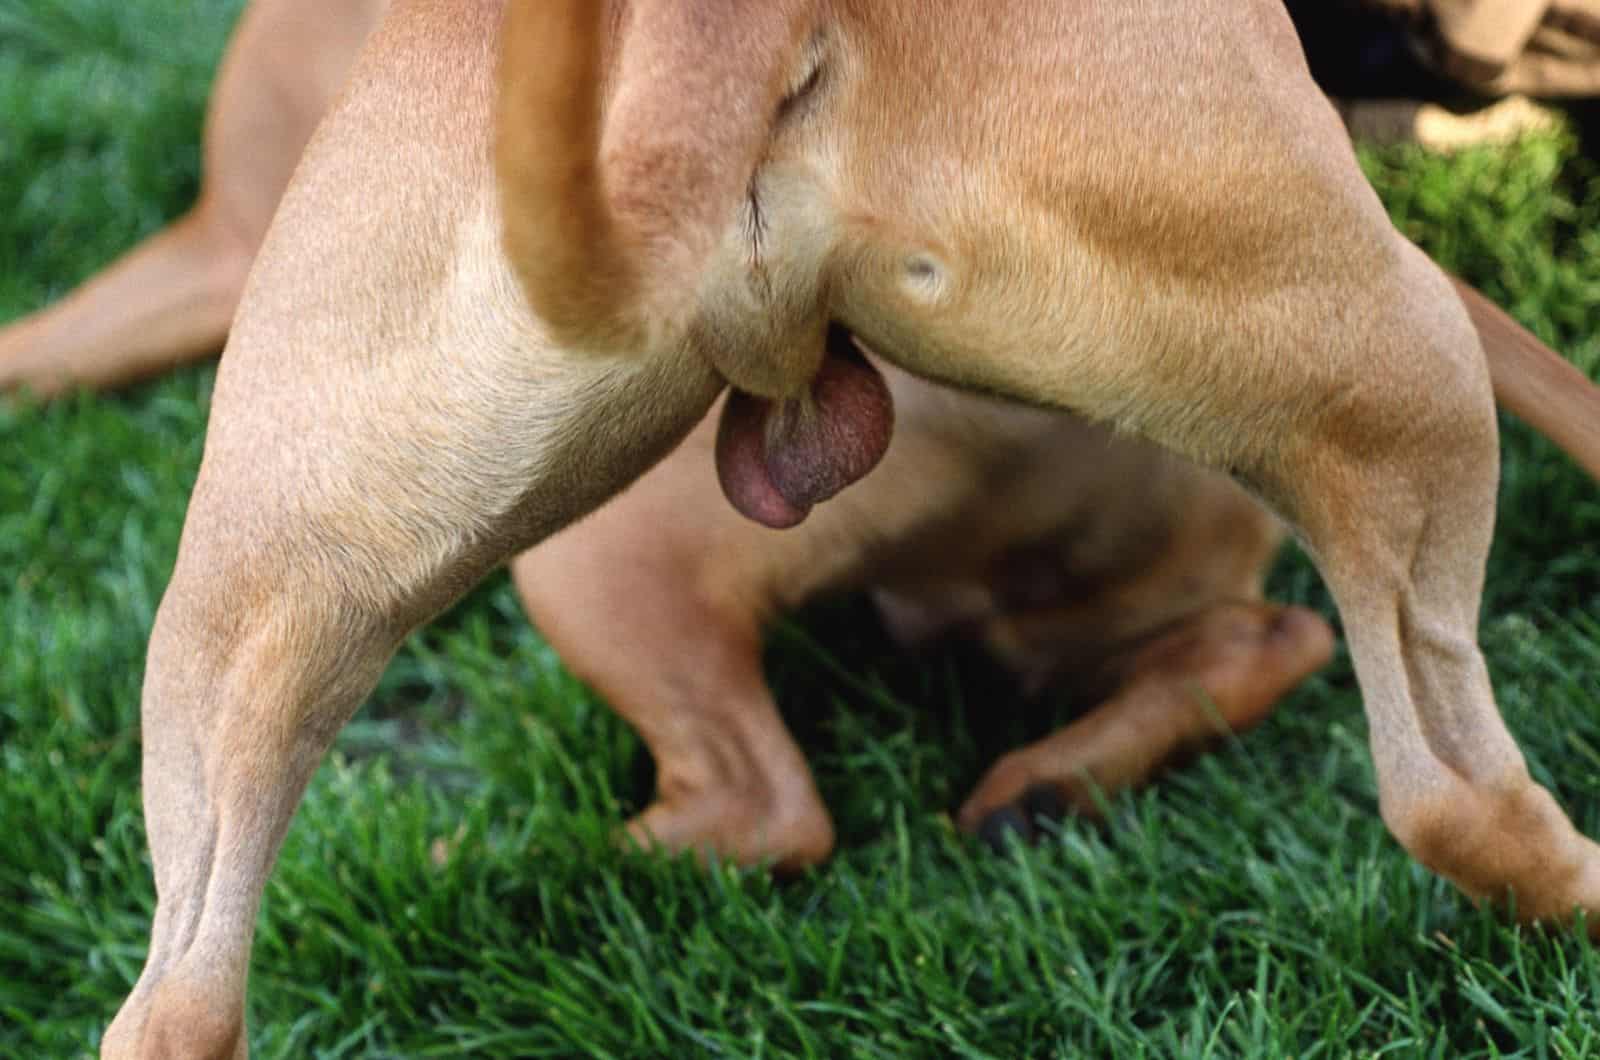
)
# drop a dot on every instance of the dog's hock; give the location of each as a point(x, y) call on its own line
point(778, 458)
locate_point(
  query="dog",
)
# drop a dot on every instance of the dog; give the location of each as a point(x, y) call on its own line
point(1132, 568)
point(1020, 529)
point(403, 404)
point(984, 197)
point(759, 222)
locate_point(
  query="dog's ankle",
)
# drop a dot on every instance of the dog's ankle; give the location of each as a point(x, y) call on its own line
point(1506, 843)
point(179, 1021)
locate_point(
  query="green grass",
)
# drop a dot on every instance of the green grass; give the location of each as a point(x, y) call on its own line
point(450, 886)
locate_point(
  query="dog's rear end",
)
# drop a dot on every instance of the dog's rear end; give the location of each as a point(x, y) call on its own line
point(1178, 255)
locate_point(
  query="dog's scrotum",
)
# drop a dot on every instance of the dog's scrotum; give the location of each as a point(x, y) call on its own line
point(778, 458)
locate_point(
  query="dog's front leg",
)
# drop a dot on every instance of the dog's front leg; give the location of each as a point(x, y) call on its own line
point(658, 600)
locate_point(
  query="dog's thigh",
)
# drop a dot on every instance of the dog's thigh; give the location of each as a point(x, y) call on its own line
point(387, 425)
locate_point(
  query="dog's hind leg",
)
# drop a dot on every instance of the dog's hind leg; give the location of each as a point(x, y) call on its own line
point(317, 537)
point(1244, 300)
point(170, 300)
point(1376, 440)
point(1393, 489)
point(388, 424)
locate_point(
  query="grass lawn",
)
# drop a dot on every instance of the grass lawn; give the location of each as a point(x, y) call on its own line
point(450, 886)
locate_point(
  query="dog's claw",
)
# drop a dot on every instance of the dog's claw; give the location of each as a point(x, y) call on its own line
point(999, 828)
point(1044, 802)
point(1041, 802)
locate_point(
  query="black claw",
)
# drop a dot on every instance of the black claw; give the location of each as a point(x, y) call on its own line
point(1043, 800)
point(997, 828)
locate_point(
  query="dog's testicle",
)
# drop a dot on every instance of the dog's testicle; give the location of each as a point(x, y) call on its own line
point(778, 458)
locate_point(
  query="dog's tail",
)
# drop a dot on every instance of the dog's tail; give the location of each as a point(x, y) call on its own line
point(1533, 382)
point(625, 144)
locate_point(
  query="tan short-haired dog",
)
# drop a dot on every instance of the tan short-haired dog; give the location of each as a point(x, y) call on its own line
point(701, 193)
point(1012, 524)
